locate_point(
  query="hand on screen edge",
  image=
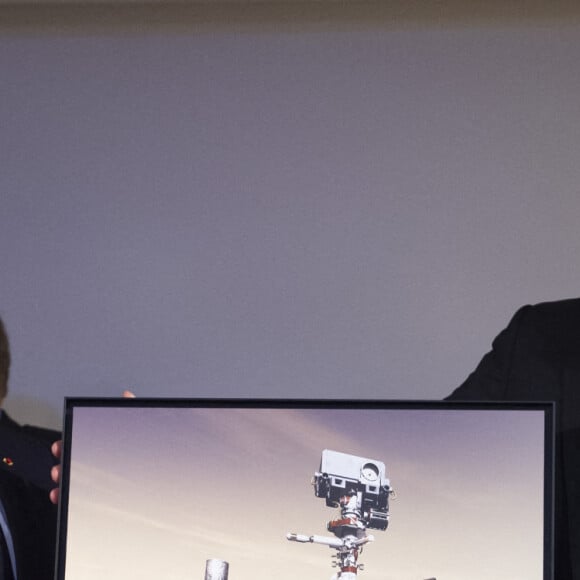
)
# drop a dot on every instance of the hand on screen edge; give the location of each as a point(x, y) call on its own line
point(56, 449)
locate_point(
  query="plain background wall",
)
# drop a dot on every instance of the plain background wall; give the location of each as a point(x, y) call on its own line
point(284, 204)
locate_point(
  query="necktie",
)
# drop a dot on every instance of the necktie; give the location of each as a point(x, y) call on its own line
point(3, 558)
point(7, 556)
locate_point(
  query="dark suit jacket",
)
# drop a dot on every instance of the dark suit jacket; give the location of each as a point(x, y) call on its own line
point(537, 358)
point(25, 462)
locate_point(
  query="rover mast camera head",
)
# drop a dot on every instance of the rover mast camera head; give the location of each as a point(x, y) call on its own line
point(343, 475)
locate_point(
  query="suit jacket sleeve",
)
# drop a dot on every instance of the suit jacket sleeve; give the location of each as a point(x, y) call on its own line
point(32, 521)
point(490, 379)
point(536, 358)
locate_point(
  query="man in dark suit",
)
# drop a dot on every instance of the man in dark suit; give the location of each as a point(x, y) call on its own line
point(537, 358)
point(27, 516)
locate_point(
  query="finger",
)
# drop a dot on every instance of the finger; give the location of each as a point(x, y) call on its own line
point(56, 449)
point(128, 395)
point(53, 495)
point(55, 473)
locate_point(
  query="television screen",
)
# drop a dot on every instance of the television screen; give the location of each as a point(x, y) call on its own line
point(382, 490)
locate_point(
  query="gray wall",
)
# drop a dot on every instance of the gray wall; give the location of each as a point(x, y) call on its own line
point(294, 209)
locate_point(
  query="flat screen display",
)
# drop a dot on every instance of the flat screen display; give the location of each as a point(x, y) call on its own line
point(184, 489)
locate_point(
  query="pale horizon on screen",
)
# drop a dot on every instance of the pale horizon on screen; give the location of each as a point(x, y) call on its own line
point(155, 492)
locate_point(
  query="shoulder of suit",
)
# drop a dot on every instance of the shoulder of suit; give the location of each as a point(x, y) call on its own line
point(558, 322)
point(49, 435)
point(33, 431)
point(559, 311)
point(565, 306)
